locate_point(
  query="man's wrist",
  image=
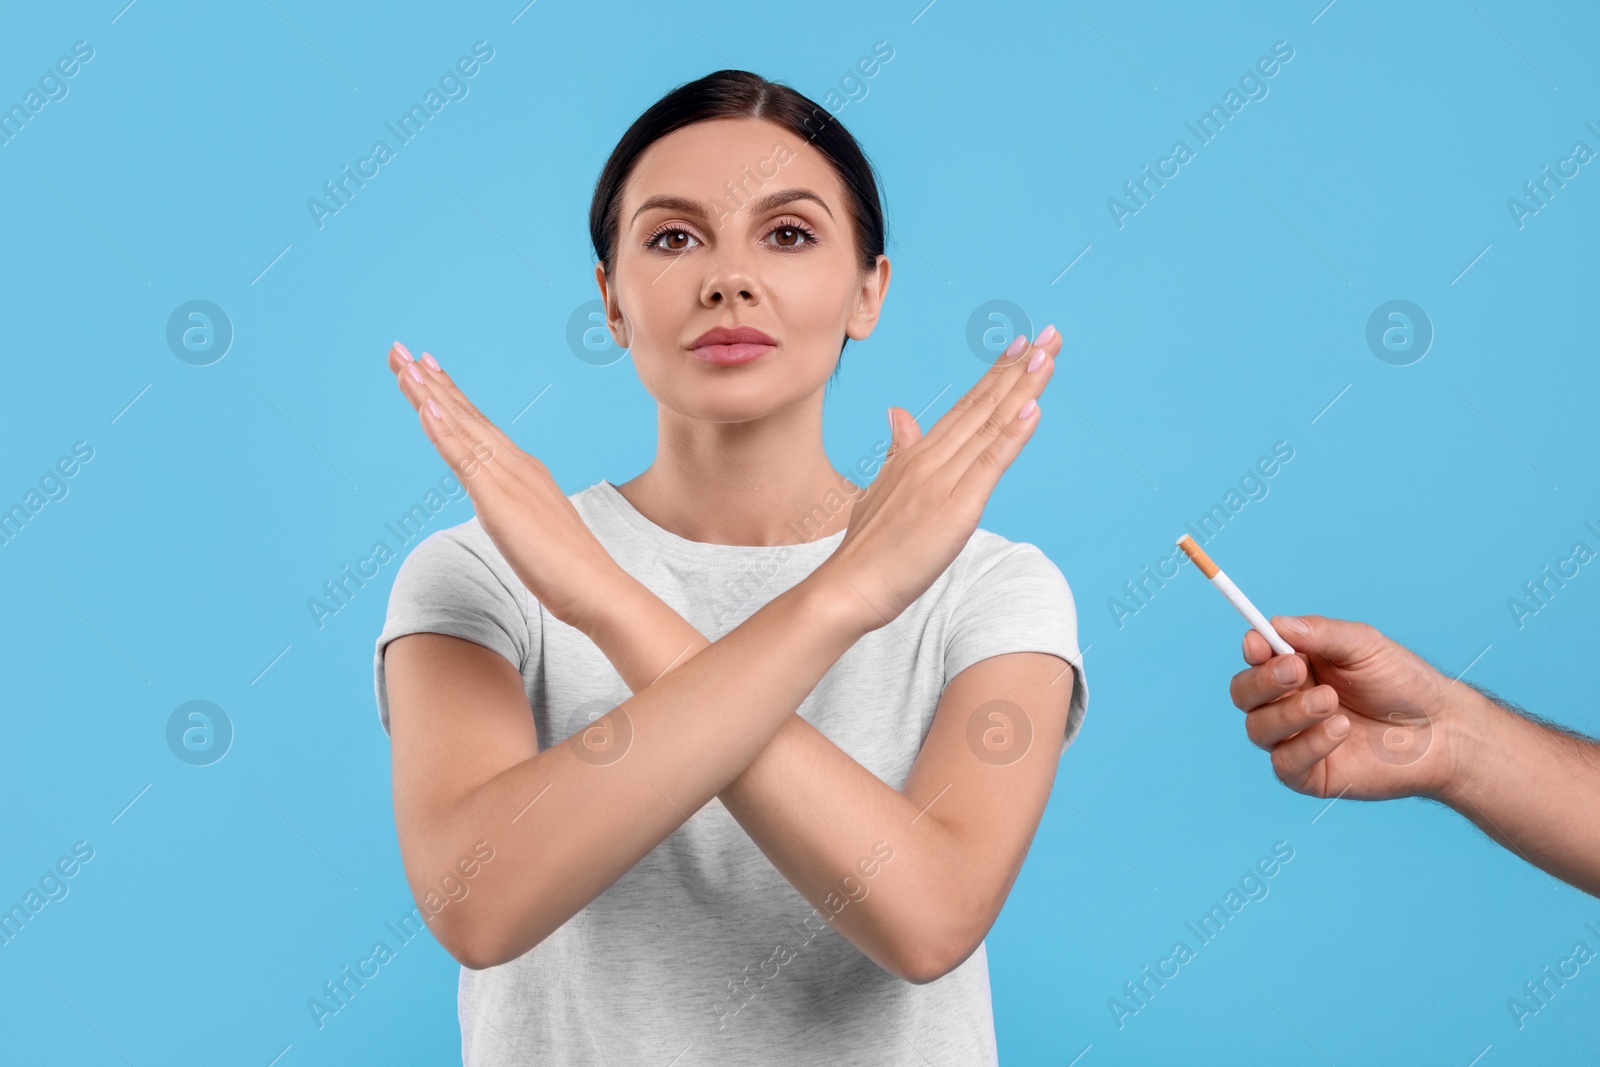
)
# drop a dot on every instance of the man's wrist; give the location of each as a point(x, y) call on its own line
point(1475, 727)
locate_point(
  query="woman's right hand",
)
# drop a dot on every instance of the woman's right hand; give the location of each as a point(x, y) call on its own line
point(920, 511)
point(518, 503)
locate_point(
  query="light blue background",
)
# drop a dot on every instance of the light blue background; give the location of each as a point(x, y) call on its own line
point(1223, 317)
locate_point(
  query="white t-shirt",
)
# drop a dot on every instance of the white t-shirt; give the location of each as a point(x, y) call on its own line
point(702, 950)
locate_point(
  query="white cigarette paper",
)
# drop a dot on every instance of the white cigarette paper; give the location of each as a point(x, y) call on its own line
point(1225, 585)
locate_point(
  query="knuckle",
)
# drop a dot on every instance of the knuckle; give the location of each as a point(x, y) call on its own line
point(1237, 690)
point(1252, 729)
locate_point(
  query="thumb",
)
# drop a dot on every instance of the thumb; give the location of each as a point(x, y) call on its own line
point(903, 431)
point(1337, 640)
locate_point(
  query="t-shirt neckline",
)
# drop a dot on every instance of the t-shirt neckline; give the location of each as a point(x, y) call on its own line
point(665, 539)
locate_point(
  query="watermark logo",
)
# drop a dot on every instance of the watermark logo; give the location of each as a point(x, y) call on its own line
point(199, 733)
point(992, 325)
point(606, 738)
point(1399, 332)
point(199, 333)
point(999, 732)
point(1406, 738)
point(589, 338)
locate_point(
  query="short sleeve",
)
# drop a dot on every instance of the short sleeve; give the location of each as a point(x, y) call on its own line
point(452, 584)
point(1017, 600)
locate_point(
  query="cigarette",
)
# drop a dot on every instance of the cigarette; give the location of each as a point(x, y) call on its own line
point(1257, 620)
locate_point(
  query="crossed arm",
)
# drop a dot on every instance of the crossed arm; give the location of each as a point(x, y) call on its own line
point(718, 718)
point(715, 718)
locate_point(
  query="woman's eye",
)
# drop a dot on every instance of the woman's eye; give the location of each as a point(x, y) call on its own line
point(670, 240)
point(791, 237)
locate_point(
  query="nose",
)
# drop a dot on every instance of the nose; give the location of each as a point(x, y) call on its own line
point(729, 280)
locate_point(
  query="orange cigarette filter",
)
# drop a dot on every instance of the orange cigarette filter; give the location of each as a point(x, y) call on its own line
point(1198, 554)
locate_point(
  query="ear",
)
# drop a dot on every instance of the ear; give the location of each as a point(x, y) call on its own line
point(615, 321)
point(869, 301)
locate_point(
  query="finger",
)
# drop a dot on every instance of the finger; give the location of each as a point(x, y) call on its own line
point(1271, 723)
point(1295, 761)
point(449, 394)
point(1255, 686)
point(903, 432)
point(464, 448)
point(1336, 640)
point(990, 434)
point(1256, 649)
point(457, 441)
point(973, 407)
point(998, 442)
point(422, 380)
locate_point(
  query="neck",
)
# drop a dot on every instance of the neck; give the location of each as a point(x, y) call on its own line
point(766, 481)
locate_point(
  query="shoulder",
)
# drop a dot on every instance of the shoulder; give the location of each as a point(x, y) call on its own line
point(462, 559)
point(990, 561)
point(463, 543)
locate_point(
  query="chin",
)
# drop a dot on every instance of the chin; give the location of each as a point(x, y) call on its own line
point(712, 394)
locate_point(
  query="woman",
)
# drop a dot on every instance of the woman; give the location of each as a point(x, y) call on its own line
point(755, 754)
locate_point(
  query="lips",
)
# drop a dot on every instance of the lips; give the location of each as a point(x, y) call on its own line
point(729, 345)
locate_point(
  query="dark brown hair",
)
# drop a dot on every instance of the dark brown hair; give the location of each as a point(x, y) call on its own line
point(728, 94)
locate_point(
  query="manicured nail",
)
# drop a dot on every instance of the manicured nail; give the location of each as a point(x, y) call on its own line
point(1027, 410)
point(432, 407)
point(1014, 349)
point(405, 353)
point(415, 373)
point(1038, 359)
point(430, 361)
point(1045, 335)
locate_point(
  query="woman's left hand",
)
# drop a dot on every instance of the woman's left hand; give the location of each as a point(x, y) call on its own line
point(519, 504)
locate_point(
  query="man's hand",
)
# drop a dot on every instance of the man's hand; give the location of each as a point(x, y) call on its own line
point(1351, 713)
point(1355, 714)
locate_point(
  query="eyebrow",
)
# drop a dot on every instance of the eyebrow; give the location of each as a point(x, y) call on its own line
point(759, 207)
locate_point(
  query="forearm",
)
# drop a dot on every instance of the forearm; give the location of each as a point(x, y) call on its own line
point(574, 820)
point(858, 850)
point(1533, 789)
point(885, 872)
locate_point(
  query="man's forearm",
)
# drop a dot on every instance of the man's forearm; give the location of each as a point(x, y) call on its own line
point(1532, 788)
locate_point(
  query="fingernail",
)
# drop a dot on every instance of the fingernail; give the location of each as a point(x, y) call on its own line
point(405, 352)
point(432, 407)
point(1319, 701)
point(1338, 726)
point(1014, 349)
point(415, 373)
point(1296, 626)
point(1286, 670)
point(1027, 410)
point(1038, 359)
point(1045, 335)
point(430, 361)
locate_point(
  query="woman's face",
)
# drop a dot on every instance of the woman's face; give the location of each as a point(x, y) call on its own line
point(701, 244)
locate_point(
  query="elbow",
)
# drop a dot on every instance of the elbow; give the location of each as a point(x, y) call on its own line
point(465, 947)
point(473, 956)
point(480, 954)
point(473, 947)
point(478, 947)
point(939, 952)
point(930, 966)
